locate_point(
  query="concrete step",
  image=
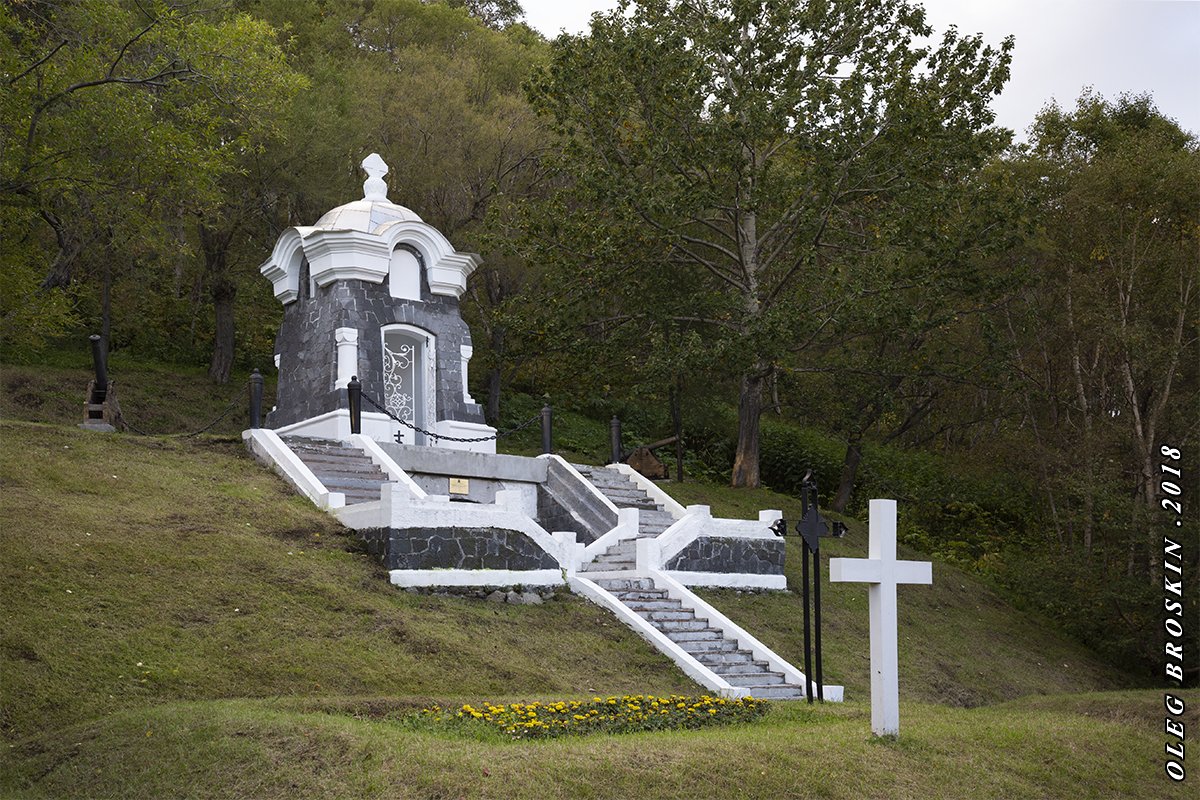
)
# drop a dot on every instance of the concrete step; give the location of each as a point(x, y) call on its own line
point(683, 638)
point(728, 659)
point(785, 691)
point(349, 475)
point(665, 616)
point(319, 448)
point(670, 627)
point(634, 596)
point(626, 584)
point(609, 566)
point(653, 605)
point(336, 483)
point(753, 678)
point(641, 505)
point(324, 456)
point(735, 667)
point(617, 558)
point(717, 645)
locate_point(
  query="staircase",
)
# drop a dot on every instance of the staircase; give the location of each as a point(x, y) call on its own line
point(342, 469)
point(624, 493)
point(707, 645)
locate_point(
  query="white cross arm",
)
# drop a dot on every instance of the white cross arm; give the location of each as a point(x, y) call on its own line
point(869, 570)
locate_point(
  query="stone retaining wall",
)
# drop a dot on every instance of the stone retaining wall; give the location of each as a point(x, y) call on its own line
point(456, 548)
point(724, 554)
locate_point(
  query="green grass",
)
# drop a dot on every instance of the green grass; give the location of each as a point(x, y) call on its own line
point(276, 661)
point(188, 557)
point(1093, 746)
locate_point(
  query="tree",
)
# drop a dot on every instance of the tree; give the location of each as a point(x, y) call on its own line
point(760, 143)
point(117, 116)
point(1111, 312)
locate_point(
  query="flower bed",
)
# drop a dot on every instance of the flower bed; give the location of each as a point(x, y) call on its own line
point(601, 715)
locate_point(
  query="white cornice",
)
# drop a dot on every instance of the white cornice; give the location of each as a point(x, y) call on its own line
point(355, 255)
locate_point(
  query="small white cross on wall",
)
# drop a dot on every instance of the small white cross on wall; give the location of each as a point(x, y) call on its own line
point(883, 572)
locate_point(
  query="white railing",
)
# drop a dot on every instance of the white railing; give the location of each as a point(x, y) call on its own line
point(268, 447)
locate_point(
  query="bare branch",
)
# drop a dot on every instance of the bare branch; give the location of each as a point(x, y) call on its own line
point(39, 62)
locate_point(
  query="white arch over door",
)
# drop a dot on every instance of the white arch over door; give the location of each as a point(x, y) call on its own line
point(410, 379)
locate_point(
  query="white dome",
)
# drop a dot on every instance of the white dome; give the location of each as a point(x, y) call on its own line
point(364, 215)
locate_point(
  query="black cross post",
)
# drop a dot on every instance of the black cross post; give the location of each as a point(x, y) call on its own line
point(812, 527)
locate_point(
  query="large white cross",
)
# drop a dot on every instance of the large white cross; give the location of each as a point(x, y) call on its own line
point(883, 572)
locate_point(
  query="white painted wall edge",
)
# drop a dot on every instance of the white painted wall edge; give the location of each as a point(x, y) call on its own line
point(465, 430)
point(699, 522)
point(335, 425)
point(382, 460)
point(680, 535)
point(584, 482)
point(729, 580)
point(267, 445)
point(628, 522)
point(683, 659)
point(426, 578)
point(360, 516)
point(651, 488)
point(716, 619)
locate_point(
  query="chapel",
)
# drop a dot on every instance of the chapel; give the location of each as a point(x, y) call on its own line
point(372, 291)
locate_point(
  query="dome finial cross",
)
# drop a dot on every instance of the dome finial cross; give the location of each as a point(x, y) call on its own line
point(374, 187)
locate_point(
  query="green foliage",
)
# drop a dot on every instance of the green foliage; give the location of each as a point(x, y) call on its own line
point(722, 161)
point(167, 114)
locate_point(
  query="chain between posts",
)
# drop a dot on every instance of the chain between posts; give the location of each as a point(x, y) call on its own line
point(443, 437)
point(233, 403)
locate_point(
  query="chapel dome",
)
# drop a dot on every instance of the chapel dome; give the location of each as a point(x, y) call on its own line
point(364, 215)
point(373, 211)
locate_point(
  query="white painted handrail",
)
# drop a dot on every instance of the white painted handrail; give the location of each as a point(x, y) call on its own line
point(685, 660)
point(385, 462)
point(716, 619)
point(582, 481)
point(267, 445)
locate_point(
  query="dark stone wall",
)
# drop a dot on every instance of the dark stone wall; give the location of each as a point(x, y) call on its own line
point(554, 517)
point(308, 351)
point(456, 548)
point(559, 493)
point(715, 554)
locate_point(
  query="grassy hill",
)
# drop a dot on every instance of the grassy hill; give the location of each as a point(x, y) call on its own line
point(176, 623)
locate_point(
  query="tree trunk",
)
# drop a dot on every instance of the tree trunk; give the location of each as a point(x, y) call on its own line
point(223, 293)
point(677, 424)
point(223, 290)
point(106, 304)
point(745, 463)
point(495, 376)
point(492, 412)
point(849, 472)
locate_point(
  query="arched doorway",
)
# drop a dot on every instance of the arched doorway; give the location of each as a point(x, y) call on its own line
point(407, 384)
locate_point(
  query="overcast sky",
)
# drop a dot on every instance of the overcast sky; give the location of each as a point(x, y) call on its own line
point(1062, 46)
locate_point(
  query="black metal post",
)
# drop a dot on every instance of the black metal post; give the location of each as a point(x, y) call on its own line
point(100, 363)
point(256, 395)
point(817, 621)
point(615, 436)
point(547, 429)
point(354, 397)
point(808, 683)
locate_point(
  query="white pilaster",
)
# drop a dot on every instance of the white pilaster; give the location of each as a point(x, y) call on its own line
point(465, 351)
point(347, 354)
